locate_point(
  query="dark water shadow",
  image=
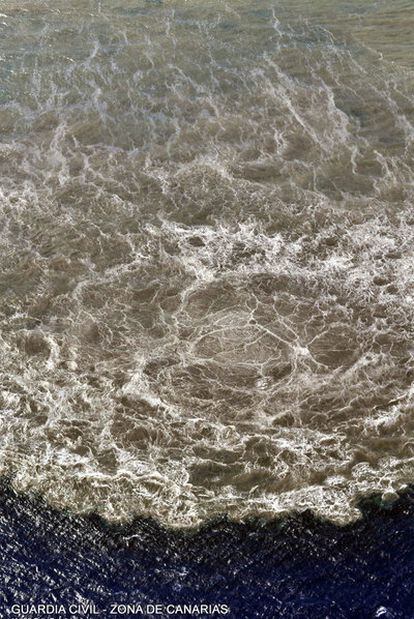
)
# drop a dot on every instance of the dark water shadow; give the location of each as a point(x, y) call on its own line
point(296, 567)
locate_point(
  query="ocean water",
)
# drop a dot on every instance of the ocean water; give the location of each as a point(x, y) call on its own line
point(207, 226)
point(291, 568)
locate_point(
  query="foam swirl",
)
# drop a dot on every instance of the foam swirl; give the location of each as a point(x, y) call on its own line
point(207, 254)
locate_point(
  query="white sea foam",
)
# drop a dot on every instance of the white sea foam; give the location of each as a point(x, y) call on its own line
point(206, 264)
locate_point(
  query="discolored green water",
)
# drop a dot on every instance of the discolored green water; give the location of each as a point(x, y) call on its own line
point(207, 219)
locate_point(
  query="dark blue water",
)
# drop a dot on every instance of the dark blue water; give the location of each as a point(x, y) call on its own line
point(297, 568)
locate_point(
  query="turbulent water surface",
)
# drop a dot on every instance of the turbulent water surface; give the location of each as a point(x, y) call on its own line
point(207, 230)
